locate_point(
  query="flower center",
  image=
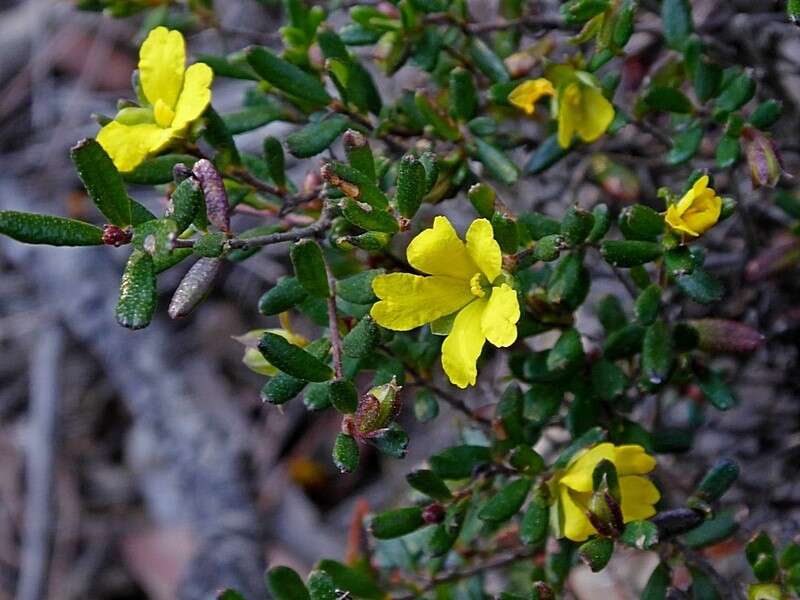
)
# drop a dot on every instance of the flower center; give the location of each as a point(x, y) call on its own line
point(163, 114)
point(479, 285)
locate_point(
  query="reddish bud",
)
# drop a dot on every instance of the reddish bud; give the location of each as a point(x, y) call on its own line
point(782, 253)
point(722, 335)
point(762, 157)
point(116, 236)
point(217, 206)
point(433, 513)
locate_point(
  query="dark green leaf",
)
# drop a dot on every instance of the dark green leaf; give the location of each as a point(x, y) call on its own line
point(316, 136)
point(291, 359)
point(345, 453)
point(395, 523)
point(102, 181)
point(506, 502)
point(459, 461)
point(287, 77)
point(309, 267)
point(137, 292)
point(285, 584)
point(33, 228)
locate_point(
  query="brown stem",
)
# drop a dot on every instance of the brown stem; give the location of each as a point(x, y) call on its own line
point(333, 324)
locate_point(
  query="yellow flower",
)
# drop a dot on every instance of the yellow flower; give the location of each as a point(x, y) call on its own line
point(572, 488)
point(697, 211)
point(465, 280)
point(175, 97)
point(578, 103)
point(253, 359)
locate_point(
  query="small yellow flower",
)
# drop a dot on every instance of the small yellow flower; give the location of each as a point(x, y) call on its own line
point(464, 280)
point(253, 359)
point(175, 97)
point(697, 211)
point(578, 103)
point(572, 488)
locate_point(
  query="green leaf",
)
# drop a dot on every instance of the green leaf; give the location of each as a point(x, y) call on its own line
point(358, 288)
point(656, 587)
point(229, 595)
point(712, 531)
point(321, 586)
point(396, 523)
point(426, 408)
point(367, 217)
point(316, 136)
point(642, 535)
point(359, 154)
point(157, 170)
point(576, 12)
point(287, 77)
point(677, 18)
point(624, 342)
point(661, 97)
point(137, 292)
point(707, 79)
point(506, 502)
point(487, 61)
point(647, 305)
point(569, 283)
point(292, 359)
point(309, 267)
point(608, 380)
point(596, 552)
point(685, 144)
point(275, 160)
point(535, 523)
point(345, 453)
point(548, 153)
point(442, 125)
point(357, 582)
point(285, 584)
point(738, 92)
point(657, 353)
point(629, 253)
point(362, 187)
point(766, 114)
point(576, 225)
point(252, 117)
point(33, 228)
point(282, 388)
point(411, 185)
point(458, 462)
point(429, 483)
point(102, 181)
point(702, 587)
point(223, 67)
point(499, 166)
point(760, 553)
point(701, 286)
point(362, 339)
point(184, 203)
point(285, 294)
point(463, 95)
point(567, 353)
point(392, 441)
point(716, 482)
point(344, 396)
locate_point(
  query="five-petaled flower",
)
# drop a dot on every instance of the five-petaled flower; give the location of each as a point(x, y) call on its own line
point(577, 101)
point(465, 281)
point(174, 96)
point(572, 488)
point(697, 211)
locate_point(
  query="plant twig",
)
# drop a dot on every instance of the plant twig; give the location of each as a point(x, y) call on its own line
point(333, 324)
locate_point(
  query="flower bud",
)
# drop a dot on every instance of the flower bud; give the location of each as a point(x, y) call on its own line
point(217, 205)
point(763, 158)
point(377, 408)
point(433, 513)
point(723, 335)
point(116, 236)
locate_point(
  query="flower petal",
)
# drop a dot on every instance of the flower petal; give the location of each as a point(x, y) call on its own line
point(639, 494)
point(128, 145)
point(499, 321)
point(461, 349)
point(195, 95)
point(576, 524)
point(439, 251)
point(484, 249)
point(526, 94)
point(568, 114)
point(162, 60)
point(632, 459)
point(579, 474)
point(675, 221)
point(597, 114)
point(408, 301)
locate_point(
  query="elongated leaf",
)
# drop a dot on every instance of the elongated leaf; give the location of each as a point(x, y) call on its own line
point(292, 359)
point(287, 77)
point(102, 181)
point(137, 292)
point(33, 228)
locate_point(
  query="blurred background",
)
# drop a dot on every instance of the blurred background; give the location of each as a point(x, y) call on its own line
point(142, 464)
